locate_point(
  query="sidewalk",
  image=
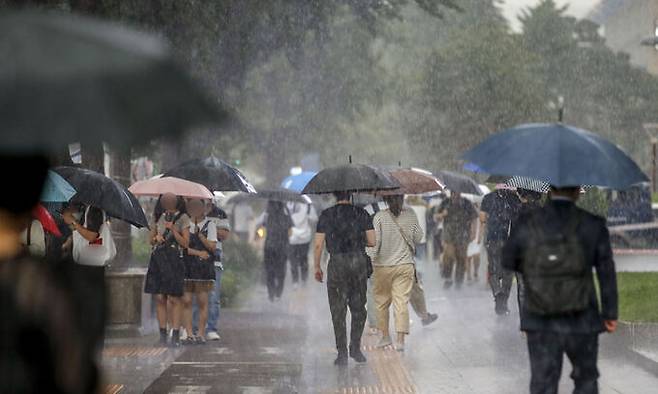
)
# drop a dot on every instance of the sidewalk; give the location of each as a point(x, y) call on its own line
point(287, 347)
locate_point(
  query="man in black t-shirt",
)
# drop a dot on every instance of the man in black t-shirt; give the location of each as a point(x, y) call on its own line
point(496, 213)
point(346, 230)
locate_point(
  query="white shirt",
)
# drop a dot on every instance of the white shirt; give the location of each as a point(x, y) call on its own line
point(212, 229)
point(302, 216)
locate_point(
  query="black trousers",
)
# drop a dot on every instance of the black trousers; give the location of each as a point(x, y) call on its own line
point(347, 283)
point(500, 279)
point(546, 350)
point(275, 271)
point(298, 256)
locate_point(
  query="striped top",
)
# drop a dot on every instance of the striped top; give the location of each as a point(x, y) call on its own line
point(391, 248)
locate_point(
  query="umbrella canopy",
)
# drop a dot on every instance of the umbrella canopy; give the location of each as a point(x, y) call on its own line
point(413, 181)
point(68, 78)
point(298, 182)
point(459, 183)
point(534, 185)
point(180, 187)
point(277, 194)
point(350, 178)
point(44, 217)
point(558, 154)
point(97, 190)
point(56, 189)
point(213, 173)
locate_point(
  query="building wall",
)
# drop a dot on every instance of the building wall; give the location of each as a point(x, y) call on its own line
point(631, 22)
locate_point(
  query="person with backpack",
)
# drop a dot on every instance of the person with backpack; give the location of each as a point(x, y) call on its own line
point(199, 270)
point(397, 233)
point(165, 276)
point(555, 249)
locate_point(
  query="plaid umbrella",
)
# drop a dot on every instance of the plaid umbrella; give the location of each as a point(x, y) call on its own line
point(532, 184)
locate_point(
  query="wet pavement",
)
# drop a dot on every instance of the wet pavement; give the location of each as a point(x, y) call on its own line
point(287, 347)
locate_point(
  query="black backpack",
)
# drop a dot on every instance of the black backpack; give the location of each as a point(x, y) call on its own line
point(556, 277)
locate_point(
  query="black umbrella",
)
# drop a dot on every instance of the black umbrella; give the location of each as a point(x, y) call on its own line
point(277, 194)
point(558, 154)
point(350, 178)
point(459, 183)
point(105, 193)
point(67, 79)
point(213, 173)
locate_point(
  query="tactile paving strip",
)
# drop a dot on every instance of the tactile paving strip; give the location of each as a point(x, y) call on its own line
point(133, 351)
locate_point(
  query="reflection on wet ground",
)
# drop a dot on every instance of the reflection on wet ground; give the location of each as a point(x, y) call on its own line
point(287, 347)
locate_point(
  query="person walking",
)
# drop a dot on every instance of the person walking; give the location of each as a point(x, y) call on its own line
point(498, 209)
point(397, 233)
point(458, 215)
point(243, 215)
point(199, 270)
point(277, 223)
point(303, 218)
point(555, 249)
point(346, 230)
point(165, 276)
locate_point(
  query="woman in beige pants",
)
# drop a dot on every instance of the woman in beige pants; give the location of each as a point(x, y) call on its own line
point(397, 231)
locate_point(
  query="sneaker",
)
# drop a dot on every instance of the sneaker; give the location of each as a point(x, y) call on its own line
point(384, 342)
point(212, 336)
point(183, 334)
point(358, 356)
point(188, 341)
point(341, 359)
point(175, 338)
point(429, 319)
point(447, 284)
point(199, 340)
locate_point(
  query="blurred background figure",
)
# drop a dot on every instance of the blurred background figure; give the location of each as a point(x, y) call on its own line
point(277, 223)
point(243, 216)
point(304, 219)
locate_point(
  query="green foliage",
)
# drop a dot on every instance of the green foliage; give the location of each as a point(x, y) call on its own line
point(141, 249)
point(637, 296)
point(242, 269)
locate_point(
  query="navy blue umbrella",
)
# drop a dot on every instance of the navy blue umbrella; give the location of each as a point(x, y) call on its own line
point(558, 154)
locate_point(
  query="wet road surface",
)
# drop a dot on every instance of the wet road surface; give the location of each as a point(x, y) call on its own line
point(287, 347)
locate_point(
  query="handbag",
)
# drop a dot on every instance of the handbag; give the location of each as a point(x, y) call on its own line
point(95, 253)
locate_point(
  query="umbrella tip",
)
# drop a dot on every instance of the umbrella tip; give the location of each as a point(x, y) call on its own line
point(350, 159)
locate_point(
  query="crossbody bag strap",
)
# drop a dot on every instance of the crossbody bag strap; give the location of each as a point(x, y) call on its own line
point(404, 237)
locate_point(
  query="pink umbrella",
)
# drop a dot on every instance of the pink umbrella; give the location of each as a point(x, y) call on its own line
point(164, 185)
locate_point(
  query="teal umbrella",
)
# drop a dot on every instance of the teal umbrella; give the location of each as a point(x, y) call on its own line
point(56, 189)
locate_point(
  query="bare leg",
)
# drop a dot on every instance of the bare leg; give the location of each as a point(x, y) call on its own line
point(175, 305)
point(161, 310)
point(187, 312)
point(202, 302)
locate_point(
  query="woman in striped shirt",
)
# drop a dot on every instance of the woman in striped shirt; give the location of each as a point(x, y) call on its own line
point(397, 233)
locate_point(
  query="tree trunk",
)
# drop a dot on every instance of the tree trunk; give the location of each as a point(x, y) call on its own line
point(120, 172)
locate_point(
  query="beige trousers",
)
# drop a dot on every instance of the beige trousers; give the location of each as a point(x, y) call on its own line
point(393, 285)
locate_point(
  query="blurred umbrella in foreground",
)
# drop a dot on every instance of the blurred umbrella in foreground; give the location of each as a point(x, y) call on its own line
point(350, 178)
point(459, 183)
point(299, 181)
point(213, 173)
point(44, 217)
point(105, 193)
point(558, 154)
point(278, 194)
point(67, 78)
point(413, 181)
point(56, 189)
point(180, 187)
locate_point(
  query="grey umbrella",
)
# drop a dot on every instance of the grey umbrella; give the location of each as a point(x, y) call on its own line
point(459, 183)
point(350, 178)
point(66, 79)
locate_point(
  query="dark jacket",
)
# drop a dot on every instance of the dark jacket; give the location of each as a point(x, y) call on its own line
point(595, 240)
